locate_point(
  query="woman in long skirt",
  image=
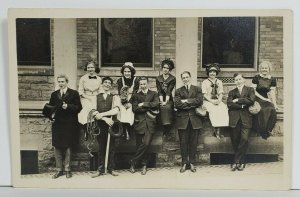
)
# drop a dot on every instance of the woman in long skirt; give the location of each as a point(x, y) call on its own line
point(212, 88)
point(265, 92)
point(165, 84)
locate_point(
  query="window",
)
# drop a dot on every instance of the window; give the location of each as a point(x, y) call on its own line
point(126, 40)
point(229, 41)
point(33, 42)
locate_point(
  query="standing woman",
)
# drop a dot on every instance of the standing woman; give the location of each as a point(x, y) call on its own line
point(212, 89)
point(165, 84)
point(265, 92)
point(90, 85)
point(128, 84)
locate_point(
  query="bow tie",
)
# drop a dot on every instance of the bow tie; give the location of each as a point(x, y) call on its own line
point(94, 77)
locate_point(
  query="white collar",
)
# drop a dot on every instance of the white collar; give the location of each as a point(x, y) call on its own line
point(64, 90)
point(240, 88)
point(267, 76)
point(189, 85)
point(107, 93)
point(146, 91)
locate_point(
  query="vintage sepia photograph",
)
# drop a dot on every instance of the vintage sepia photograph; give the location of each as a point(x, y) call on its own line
point(176, 99)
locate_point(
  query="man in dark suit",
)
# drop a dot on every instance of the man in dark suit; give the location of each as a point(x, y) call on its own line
point(240, 119)
point(65, 125)
point(107, 106)
point(145, 105)
point(187, 98)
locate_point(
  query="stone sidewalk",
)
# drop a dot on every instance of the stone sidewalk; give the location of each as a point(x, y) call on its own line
point(271, 168)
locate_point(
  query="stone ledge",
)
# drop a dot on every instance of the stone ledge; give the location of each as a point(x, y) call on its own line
point(257, 145)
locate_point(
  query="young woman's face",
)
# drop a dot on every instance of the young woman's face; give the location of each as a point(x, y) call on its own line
point(127, 73)
point(212, 74)
point(90, 69)
point(166, 69)
point(264, 69)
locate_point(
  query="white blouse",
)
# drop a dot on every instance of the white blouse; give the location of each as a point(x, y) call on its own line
point(89, 86)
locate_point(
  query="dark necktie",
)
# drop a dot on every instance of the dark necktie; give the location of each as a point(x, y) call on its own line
point(187, 88)
point(94, 77)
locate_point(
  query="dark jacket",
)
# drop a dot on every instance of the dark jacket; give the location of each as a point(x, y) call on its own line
point(186, 111)
point(65, 125)
point(239, 110)
point(142, 122)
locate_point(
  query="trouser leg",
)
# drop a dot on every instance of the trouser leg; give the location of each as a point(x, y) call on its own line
point(193, 141)
point(235, 135)
point(58, 158)
point(143, 142)
point(183, 139)
point(243, 145)
point(68, 154)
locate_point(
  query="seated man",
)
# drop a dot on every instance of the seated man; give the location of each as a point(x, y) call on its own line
point(145, 106)
point(240, 119)
point(107, 106)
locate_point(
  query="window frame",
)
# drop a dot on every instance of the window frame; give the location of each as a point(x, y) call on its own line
point(41, 67)
point(114, 68)
point(256, 44)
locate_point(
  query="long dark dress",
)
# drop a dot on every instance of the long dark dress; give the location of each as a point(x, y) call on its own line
point(265, 120)
point(165, 88)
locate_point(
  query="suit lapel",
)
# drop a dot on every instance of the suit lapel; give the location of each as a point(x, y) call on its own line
point(67, 93)
point(243, 92)
point(191, 90)
point(148, 95)
point(59, 95)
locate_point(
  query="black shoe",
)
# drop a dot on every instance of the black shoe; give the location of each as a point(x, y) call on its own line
point(68, 174)
point(241, 167)
point(112, 172)
point(192, 168)
point(234, 167)
point(98, 173)
point(144, 170)
point(183, 168)
point(132, 166)
point(57, 174)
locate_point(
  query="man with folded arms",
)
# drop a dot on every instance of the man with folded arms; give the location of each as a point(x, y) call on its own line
point(145, 105)
point(240, 120)
point(187, 98)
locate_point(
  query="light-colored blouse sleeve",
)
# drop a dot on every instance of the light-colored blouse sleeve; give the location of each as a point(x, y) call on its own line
point(80, 86)
point(204, 87)
point(220, 87)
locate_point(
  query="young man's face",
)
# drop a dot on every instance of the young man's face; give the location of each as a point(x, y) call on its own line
point(143, 84)
point(186, 78)
point(62, 83)
point(239, 80)
point(106, 85)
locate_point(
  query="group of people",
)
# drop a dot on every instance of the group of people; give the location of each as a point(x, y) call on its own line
point(139, 110)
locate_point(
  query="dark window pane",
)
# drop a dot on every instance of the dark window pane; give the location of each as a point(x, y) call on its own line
point(33, 41)
point(229, 41)
point(126, 40)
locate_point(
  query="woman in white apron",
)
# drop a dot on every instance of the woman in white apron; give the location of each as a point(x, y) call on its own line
point(90, 85)
point(212, 88)
point(127, 85)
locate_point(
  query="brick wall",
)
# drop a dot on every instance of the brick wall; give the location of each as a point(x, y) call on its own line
point(87, 40)
point(164, 40)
